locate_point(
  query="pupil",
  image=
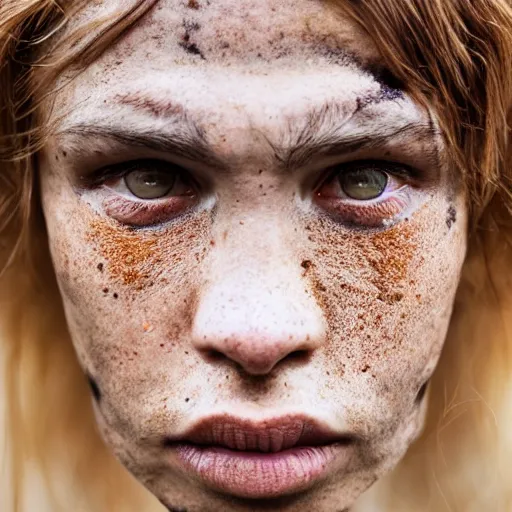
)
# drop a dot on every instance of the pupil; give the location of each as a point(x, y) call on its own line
point(363, 184)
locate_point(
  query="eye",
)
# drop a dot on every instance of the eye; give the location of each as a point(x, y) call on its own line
point(364, 180)
point(369, 193)
point(146, 192)
point(147, 179)
point(150, 183)
point(363, 184)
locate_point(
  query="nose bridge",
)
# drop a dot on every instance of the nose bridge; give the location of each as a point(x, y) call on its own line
point(255, 309)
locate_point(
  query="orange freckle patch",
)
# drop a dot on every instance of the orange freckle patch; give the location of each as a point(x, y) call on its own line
point(396, 250)
point(391, 257)
point(130, 255)
point(147, 327)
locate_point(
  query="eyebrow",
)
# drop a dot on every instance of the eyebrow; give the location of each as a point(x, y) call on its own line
point(188, 141)
point(318, 135)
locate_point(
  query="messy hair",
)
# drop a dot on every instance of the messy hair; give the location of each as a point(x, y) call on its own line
point(454, 56)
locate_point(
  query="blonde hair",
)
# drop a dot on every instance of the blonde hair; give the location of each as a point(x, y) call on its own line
point(455, 56)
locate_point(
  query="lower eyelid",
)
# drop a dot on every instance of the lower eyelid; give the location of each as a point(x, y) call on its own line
point(145, 213)
point(367, 213)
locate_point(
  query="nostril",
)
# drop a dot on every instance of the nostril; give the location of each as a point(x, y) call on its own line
point(214, 355)
point(298, 356)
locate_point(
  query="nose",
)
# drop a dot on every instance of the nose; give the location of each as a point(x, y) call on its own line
point(258, 315)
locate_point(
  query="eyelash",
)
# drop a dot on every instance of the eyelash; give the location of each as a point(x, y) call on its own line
point(137, 212)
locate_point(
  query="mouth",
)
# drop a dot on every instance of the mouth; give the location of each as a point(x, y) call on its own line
point(265, 459)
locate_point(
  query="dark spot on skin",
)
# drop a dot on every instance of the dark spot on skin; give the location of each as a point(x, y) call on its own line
point(190, 26)
point(116, 296)
point(365, 368)
point(451, 217)
point(306, 264)
point(193, 4)
point(390, 298)
point(187, 399)
point(100, 267)
point(421, 393)
point(185, 43)
point(192, 48)
point(95, 390)
point(105, 290)
point(64, 154)
point(387, 79)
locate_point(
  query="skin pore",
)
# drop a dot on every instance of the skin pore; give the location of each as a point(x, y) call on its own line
point(256, 286)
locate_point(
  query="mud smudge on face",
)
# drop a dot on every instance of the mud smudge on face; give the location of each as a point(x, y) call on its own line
point(390, 256)
point(186, 43)
point(141, 258)
point(451, 217)
point(131, 256)
point(159, 108)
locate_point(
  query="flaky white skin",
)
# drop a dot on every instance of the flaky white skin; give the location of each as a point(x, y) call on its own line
point(256, 268)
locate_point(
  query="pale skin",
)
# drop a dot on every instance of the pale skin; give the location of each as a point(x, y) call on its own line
point(255, 285)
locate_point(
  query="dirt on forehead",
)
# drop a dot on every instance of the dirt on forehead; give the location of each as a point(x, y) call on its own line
point(201, 31)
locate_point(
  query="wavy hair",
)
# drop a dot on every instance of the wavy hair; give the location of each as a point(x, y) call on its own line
point(454, 56)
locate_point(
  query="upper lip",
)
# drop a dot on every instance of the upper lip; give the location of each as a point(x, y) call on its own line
point(271, 435)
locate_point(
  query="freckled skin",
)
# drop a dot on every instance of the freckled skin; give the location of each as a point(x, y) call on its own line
point(256, 270)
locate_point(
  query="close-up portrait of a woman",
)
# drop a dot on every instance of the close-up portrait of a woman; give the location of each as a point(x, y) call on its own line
point(255, 255)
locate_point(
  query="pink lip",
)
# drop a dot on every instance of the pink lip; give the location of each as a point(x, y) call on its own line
point(260, 460)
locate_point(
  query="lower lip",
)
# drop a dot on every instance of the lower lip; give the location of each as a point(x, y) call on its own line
point(259, 475)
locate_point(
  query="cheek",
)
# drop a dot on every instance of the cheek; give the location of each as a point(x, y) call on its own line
point(387, 297)
point(128, 293)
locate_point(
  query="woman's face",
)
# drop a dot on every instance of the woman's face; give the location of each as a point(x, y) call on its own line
point(258, 244)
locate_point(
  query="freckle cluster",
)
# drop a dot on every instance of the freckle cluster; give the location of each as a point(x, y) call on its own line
point(138, 258)
point(376, 290)
point(130, 255)
point(393, 251)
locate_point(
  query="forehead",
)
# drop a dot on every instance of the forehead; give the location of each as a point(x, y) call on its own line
point(239, 49)
point(238, 31)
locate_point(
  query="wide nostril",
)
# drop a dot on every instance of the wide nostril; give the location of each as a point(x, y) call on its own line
point(257, 367)
point(298, 357)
